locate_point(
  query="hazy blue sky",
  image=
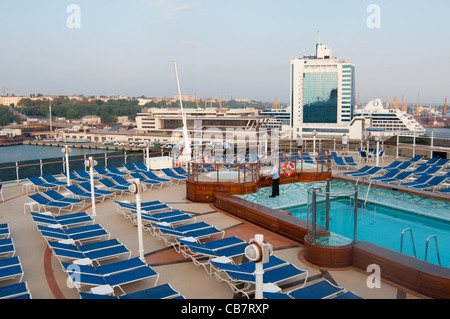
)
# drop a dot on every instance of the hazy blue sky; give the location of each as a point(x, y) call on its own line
point(238, 48)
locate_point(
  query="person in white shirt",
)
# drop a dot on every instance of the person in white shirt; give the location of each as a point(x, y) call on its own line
point(275, 181)
point(299, 141)
point(344, 144)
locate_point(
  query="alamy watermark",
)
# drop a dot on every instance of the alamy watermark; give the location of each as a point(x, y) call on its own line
point(73, 21)
point(374, 19)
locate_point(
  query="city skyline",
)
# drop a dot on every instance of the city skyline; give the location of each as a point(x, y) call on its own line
point(223, 48)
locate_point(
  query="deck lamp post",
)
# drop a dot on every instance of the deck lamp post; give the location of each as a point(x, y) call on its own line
point(377, 138)
point(147, 157)
point(66, 150)
point(314, 141)
point(91, 163)
point(137, 187)
point(259, 252)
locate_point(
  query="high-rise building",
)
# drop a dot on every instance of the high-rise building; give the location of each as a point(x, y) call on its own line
point(322, 92)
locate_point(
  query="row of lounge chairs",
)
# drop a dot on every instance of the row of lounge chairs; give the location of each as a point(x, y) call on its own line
point(85, 250)
point(219, 255)
point(11, 268)
point(110, 177)
point(430, 175)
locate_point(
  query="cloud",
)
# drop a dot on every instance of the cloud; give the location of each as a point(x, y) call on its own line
point(172, 9)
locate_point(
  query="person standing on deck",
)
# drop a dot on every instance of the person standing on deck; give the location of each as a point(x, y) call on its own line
point(299, 141)
point(275, 181)
point(344, 144)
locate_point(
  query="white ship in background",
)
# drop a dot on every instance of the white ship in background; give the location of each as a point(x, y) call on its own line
point(388, 122)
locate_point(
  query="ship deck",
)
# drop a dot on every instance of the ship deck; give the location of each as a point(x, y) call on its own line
point(46, 279)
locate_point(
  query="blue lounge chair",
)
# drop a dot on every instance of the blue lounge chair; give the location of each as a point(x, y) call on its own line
point(146, 180)
point(374, 170)
point(431, 170)
point(442, 162)
point(432, 161)
point(131, 168)
point(306, 158)
point(80, 234)
point(361, 170)
point(7, 248)
point(11, 268)
point(172, 218)
point(113, 186)
point(404, 165)
point(444, 190)
point(4, 231)
point(319, 290)
point(394, 164)
point(114, 170)
point(73, 252)
point(46, 203)
point(54, 195)
point(364, 155)
point(199, 231)
point(397, 178)
point(339, 162)
point(421, 180)
point(40, 184)
point(141, 166)
point(103, 172)
point(80, 193)
point(52, 180)
point(75, 178)
point(180, 171)
point(390, 174)
point(350, 161)
point(432, 183)
point(173, 176)
point(416, 158)
point(115, 274)
point(202, 255)
point(87, 187)
point(1, 192)
point(77, 219)
point(15, 291)
point(83, 174)
point(164, 291)
point(153, 176)
point(244, 282)
point(121, 181)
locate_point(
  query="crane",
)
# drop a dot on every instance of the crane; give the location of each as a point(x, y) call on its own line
point(218, 99)
point(444, 111)
point(196, 101)
point(276, 104)
point(4, 90)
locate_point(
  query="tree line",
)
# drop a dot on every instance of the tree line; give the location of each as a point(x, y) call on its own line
point(109, 111)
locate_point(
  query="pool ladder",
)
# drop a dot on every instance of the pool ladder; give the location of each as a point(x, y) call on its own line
point(412, 240)
point(437, 248)
point(426, 247)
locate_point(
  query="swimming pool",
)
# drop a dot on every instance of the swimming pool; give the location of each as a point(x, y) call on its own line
point(382, 220)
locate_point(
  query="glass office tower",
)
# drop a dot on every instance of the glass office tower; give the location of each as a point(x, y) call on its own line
point(322, 91)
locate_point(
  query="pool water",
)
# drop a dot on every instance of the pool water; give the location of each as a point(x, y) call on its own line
point(381, 222)
point(383, 226)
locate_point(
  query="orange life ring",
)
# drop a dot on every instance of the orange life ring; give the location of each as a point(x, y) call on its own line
point(178, 163)
point(291, 171)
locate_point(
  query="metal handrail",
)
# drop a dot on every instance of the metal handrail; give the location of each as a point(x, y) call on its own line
point(412, 239)
point(437, 248)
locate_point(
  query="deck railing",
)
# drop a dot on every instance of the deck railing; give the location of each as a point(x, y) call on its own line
point(240, 171)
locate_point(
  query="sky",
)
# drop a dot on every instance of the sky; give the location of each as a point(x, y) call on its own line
point(237, 49)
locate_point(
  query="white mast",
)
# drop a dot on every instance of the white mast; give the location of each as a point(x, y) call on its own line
point(186, 155)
